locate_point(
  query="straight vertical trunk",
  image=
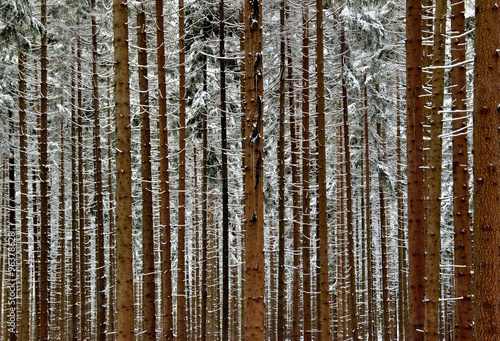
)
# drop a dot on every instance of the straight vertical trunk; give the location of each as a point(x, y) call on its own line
point(387, 312)
point(12, 242)
point(44, 222)
point(81, 199)
point(124, 274)
point(74, 213)
point(62, 243)
point(433, 237)
point(295, 204)
point(99, 218)
point(242, 318)
point(181, 258)
point(204, 200)
point(225, 194)
point(281, 185)
point(112, 233)
point(166, 278)
point(461, 216)
point(486, 172)
point(23, 177)
point(148, 259)
point(306, 180)
point(402, 288)
point(370, 331)
point(254, 173)
point(351, 257)
point(322, 207)
point(414, 140)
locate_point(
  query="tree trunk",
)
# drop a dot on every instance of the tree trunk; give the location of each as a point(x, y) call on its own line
point(204, 199)
point(295, 204)
point(99, 218)
point(254, 173)
point(148, 260)
point(486, 176)
point(24, 330)
point(74, 213)
point(225, 194)
point(166, 279)
point(351, 257)
point(81, 198)
point(371, 328)
point(44, 223)
point(388, 314)
point(124, 274)
point(433, 237)
point(112, 233)
point(61, 318)
point(403, 288)
point(306, 179)
point(322, 207)
point(12, 242)
point(281, 186)
point(461, 216)
point(414, 140)
point(181, 257)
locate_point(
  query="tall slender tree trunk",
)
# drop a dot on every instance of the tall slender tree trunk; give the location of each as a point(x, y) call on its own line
point(414, 140)
point(433, 237)
point(295, 203)
point(486, 172)
point(12, 241)
point(61, 321)
point(166, 278)
point(24, 331)
point(81, 198)
point(124, 273)
point(387, 312)
point(74, 213)
point(281, 185)
point(148, 259)
point(225, 194)
point(44, 223)
point(204, 200)
point(306, 179)
point(402, 288)
point(322, 207)
point(181, 244)
point(254, 172)
point(99, 216)
point(461, 216)
point(242, 302)
point(351, 257)
point(112, 232)
point(370, 317)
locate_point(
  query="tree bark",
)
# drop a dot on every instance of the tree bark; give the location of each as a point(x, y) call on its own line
point(433, 237)
point(99, 217)
point(281, 184)
point(23, 177)
point(124, 274)
point(486, 172)
point(322, 207)
point(306, 179)
point(461, 217)
point(166, 278)
point(414, 140)
point(225, 194)
point(351, 257)
point(254, 173)
point(181, 257)
point(148, 260)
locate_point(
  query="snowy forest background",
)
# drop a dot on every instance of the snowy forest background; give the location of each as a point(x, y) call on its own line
point(364, 56)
